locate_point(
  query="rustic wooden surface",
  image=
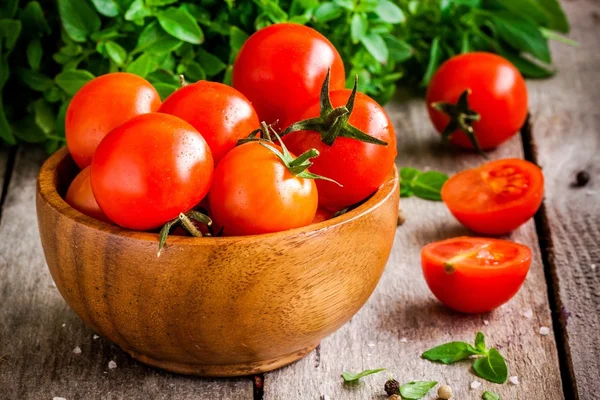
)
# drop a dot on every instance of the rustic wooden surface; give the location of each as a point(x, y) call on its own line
point(566, 139)
point(402, 318)
point(38, 332)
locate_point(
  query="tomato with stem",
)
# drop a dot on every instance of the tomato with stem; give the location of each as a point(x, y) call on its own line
point(356, 142)
point(220, 113)
point(281, 67)
point(100, 106)
point(497, 197)
point(477, 100)
point(149, 170)
point(80, 196)
point(475, 275)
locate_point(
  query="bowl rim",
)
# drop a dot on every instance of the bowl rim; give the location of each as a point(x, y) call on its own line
point(46, 188)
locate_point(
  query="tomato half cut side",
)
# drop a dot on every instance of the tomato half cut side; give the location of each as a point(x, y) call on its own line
point(497, 197)
point(475, 275)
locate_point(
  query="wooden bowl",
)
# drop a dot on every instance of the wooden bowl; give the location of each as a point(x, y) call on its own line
point(221, 306)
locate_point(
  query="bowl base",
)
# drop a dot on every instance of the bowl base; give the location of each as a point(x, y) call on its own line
point(228, 370)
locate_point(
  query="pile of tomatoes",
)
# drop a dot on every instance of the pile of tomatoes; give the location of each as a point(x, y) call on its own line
point(282, 147)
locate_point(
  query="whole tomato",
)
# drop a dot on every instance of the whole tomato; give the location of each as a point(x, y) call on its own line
point(475, 275)
point(149, 170)
point(80, 196)
point(357, 149)
point(254, 191)
point(280, 69)
point(100, 106)
point(477, 100)
point(220, 113)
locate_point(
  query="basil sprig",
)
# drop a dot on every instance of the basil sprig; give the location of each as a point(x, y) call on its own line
point(490, 365)
point(426, 185)
point(487, 395)
point(416, 390)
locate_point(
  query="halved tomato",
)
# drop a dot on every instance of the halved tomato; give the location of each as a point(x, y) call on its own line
point(475, 275)
point(497, 197)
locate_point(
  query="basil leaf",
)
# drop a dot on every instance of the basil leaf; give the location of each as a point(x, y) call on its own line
point(237, 38)
point(34, 53)
point(528, 9)
point(376, 46)
point(154, 39)
point(480, 342)
point(27, 131)
point(10, 29)
point(137, 11)
point(491, 367)
point(428, 185)
point(408, 174)
point(35, 80)
point(142, 65)
point(71, 80)
point(435, 57)
point(180, 24)
point(211, 64)
point(9, 8)
point(194, 71)
point(54, 94)
point(153, 3)
point(358, 27)
point(521, 34)
point(528, 68)
point(449, 353)
point(416, 390)
point(165, 89)
point(327, 12)
point(399, 49)
point(34, 22)
point(6, 133)
point(60, 119)
point(78, 19)
point(44, 116)
point(108, 8)
point(490, 396)
point(116, 52)
point(355, 376)
point(558, 19)
point(390, 12)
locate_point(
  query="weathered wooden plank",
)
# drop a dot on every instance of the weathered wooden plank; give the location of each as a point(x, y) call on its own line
point(4, 168)
point(38, 332)
point(402, 318)
point(566, 135)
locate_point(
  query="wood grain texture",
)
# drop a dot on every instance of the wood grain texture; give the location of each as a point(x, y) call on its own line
point(38, 331)
point(402, 319)
point(4, 168)
point(566, 136)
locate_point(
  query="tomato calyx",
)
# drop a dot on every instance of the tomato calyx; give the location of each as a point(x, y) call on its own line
point(333, 122)
point(461, 118)
point(186, 221)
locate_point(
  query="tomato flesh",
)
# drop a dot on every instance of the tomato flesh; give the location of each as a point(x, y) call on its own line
point(80, 196)
point(475, 275)
point(497, 197)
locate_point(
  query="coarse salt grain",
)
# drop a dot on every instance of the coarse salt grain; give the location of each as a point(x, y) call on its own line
point(514, 380)
point(593, 267)
point(112, 365)
point(371, 344)
point(63, 325)
point(528, 313)
point(475, 384)
point(404, 340)
point(77, 350)
point(58, 398)
point(95, 337)
point(544, 330)
point(486, 322)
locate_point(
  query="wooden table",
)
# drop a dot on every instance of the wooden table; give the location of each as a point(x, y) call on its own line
point(38, 332)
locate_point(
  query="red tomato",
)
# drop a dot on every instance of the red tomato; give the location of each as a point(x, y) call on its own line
point(80, 196)
point(361, 168)
point(322, 214)
point(100, 106)
point(219, 112)
point(254, 192)
point(150, 169)
point(497, 197)
point(497, 93)
point(281, 68)
point(475, 275)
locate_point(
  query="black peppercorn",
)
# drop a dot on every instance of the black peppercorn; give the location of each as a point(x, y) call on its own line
point(392, 387)
point(582, 178)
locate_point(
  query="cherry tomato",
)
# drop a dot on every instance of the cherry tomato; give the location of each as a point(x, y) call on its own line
point(497, 197)
point(475, 275)
point(220, 113)
point(150, 169)
point(254, 192)
point(100, 106)
point(80, 196)
point(361, 168)
point(281, 68)
point(497, 96)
